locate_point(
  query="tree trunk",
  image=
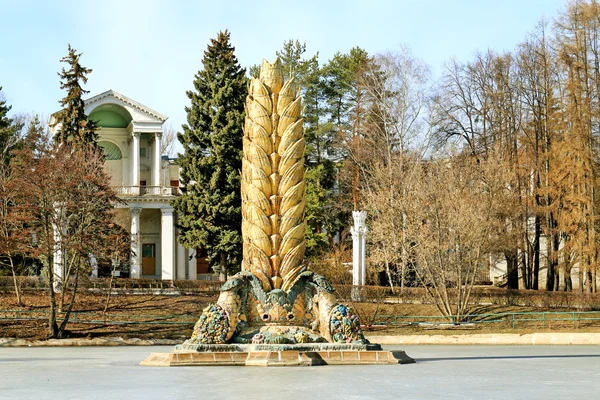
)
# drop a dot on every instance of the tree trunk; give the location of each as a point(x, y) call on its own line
point(65, 321)
point(15, 281)
point(588, 280)
point(536, 253)
point(223, 266)
point(109, 293)
point(52, 325)
point(402, 276)
point(389, 275)
point(512, 272)
point(581, 277)
point(568, 281)
point(404, 251)
point(523, 262)
point(550, 275)
point(552, 280)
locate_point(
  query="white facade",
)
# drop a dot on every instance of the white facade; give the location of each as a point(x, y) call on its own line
point(131, 136)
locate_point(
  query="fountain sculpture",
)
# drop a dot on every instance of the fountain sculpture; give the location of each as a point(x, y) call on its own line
point(275, 311)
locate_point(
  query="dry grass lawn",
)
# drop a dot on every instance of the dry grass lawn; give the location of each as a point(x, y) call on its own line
point(172, 317)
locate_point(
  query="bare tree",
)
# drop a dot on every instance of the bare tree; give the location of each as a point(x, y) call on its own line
point(396, 139)
point(169, 139)
point(537, 85)
point(66, 190)
point(400, 91)
point(14, 216)
point(578, 47)
point(452, 222)
point(117, 251)
point(388, 198)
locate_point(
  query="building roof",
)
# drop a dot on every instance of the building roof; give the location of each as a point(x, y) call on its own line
point(126, 101)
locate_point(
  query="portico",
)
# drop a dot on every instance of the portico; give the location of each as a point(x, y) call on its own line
point(131, 136)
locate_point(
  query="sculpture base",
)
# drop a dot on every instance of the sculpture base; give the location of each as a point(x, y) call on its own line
point(187, 347)
point(277, 355)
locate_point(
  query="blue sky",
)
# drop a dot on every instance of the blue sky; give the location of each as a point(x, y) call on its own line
point(150, 50)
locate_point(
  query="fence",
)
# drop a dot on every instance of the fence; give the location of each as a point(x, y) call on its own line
point(544, 319)
point(576, 319)
point(27, 283)
point(100, 318)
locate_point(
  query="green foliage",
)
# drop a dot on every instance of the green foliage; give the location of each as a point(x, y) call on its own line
point(254, 71)
point(75, 127)
point(332, 105)
point(293, 63)
point(209, 208)
point(9, 130)
point(320, 220)
point(344, 79)
point(317, 131)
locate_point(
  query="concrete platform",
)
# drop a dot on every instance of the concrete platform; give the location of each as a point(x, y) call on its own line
point(277, 358)
point(540, 338)
point(441, 372)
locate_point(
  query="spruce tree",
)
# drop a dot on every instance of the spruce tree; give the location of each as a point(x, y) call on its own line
point(209, 208)
point(9, 130)
point(75, 127)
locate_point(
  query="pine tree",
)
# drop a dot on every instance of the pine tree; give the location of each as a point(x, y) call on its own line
point(75, 127)
point(9, 129)
point(345, 77)
point(209, 208)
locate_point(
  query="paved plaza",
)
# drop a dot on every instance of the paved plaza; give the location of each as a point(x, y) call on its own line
point(448, 372)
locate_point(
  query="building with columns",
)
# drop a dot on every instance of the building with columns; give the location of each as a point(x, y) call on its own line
point(131, 136)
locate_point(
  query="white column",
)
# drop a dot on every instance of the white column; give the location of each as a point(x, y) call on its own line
point(181, 262)
point(157, 159)
point(359, 236)
point(58, 231)
point(167, 243)
point(135, 159)
point(192, 271)
point(57, 262)
point(94, 264)
point(136, 243)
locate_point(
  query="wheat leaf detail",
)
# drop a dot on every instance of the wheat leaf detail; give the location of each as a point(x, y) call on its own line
point(273, 185)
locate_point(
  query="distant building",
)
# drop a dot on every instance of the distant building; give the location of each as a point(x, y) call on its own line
point(131, 136)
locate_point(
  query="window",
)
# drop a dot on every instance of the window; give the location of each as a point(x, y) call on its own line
point(148, 250)
point(111, 150)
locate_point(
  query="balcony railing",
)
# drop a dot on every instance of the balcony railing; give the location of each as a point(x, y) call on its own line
point(146, 190)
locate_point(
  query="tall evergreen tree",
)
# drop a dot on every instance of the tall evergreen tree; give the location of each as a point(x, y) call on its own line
point(210, 205)
point(9, 129)
point(75, 127)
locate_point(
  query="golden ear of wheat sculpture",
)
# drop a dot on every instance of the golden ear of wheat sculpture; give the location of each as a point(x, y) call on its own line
point(273, 181)
point(274, 300)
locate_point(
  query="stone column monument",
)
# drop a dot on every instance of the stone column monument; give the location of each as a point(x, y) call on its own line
point(359, 239)
point(275, 311)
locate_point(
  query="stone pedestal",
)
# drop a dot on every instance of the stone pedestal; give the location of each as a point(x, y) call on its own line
point(276, 312)
point(277, 355)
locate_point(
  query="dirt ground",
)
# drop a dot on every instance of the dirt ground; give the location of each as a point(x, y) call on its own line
point(143, 316)
point(172, 317)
